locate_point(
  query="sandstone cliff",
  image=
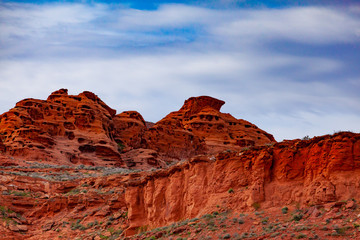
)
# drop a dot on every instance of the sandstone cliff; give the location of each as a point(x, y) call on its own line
point(71, 168)
point(299, 172)
point(309, 172)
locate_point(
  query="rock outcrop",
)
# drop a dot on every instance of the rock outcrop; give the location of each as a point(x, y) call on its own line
point(71, 167)
point(82, 129)
point(64, 129)
point(199, 127)
point(299, 173)
point(310, 172)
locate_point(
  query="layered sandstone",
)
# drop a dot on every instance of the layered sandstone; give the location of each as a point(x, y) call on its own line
point(64, 129)
point(324, 169)
point(64, 168)
point(299, 172)
point(199, 127)
point(81, 129)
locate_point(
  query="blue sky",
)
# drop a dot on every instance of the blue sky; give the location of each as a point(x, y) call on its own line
point(290, 67)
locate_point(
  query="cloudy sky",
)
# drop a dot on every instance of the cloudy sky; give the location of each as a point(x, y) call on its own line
point(290, 67)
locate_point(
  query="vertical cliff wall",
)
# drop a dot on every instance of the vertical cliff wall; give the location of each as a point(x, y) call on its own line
point(306, 172)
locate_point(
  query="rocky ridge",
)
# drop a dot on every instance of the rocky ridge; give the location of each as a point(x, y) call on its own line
point(233, 170)
point(81, 129)
point(63, 129)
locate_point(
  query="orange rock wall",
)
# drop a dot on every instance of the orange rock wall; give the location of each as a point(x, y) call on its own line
point(308, 172)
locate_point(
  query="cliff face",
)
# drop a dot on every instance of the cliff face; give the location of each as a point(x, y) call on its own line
point(317, 171)
point(43, 198)
point(70, 167)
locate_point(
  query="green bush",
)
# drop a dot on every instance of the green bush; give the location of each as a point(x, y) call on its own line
point(306, 137)
point(275, 234)
point(256, 205)
point(297, 217)
point(301, 235)
point(227, 236)
point(121, 147)
point(285, 210)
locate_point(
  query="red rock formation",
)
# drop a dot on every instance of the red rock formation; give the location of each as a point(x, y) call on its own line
point(130, 128)
point(64, 129)
point(2, 146)
point(82, 129)
point(241, 167)
point(317, 171)
point(199, 127)
point(309, 172)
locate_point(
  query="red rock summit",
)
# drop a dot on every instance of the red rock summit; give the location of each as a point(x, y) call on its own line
point(200, 128)
point(82, 129)
point(64, 129)
point(70, 167)
point(195, 104)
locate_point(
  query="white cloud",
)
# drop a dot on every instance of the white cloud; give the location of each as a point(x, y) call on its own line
point(128, 82)
point(151, 61)
point(100, 26)
point(306, 24)
point(31, 20)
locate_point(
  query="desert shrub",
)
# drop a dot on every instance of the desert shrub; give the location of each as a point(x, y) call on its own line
point(121, 147)
point(301, 235)
point(244, 235)
point(209, 216)
point(306, 137)
point(265, 220)
point(223, 219)
point(275, 234)
point(73, 191)
point(21, 193)
point(90, 224)
point(5, 211)
point(142, 229)
point(297, 217)
point(285, 210)
point(231, 190)
point(77, 225)
point(256, 205)
point(211, 222)
point(227, 236)
point(300, 228)
point(340, 230)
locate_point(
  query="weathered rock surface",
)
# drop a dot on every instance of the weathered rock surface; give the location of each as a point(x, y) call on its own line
point(60, 174)
point(199, 127)
point(324, 169)
point(300, 172)
point(64, 129)
point(82, 129)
